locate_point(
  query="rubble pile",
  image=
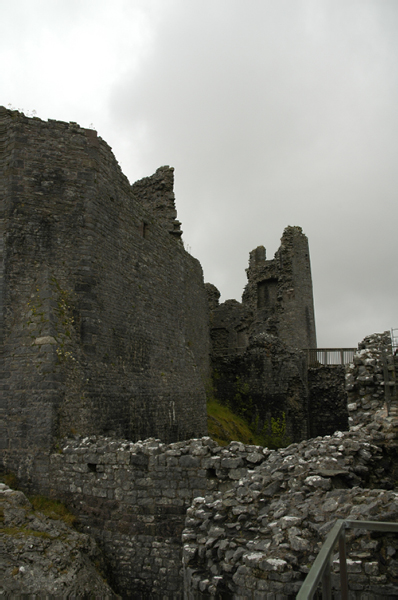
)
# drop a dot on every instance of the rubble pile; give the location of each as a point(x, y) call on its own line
point(262, 536)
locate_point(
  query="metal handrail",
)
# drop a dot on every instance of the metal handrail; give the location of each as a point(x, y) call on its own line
point(321, 569)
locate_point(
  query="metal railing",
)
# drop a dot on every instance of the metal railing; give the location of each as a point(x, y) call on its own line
point(318, 356)
point(330, 356)
point(321, 569)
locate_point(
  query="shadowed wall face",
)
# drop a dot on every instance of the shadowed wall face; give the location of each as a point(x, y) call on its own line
point(106, 318)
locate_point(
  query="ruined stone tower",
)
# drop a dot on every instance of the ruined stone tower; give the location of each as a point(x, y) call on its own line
point(279, 291)
point(257, 364)
point(277, 300)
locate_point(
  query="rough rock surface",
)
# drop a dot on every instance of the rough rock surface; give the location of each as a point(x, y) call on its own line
point(44, 556)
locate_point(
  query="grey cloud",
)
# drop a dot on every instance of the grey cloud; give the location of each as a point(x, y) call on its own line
point(273, 113)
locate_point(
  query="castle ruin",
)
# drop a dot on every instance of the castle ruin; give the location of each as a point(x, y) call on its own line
point(111, 337)
point(107, 326)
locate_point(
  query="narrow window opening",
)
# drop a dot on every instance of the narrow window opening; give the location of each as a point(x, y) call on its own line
point(92, 467)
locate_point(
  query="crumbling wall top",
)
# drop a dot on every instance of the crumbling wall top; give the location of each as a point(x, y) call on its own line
point(156, 194)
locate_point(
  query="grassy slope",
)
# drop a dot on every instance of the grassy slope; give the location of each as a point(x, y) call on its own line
point(225, 426)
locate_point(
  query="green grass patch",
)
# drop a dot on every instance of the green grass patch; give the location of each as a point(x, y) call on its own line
point(15, 531)
point(52, 509)
point(225, 426)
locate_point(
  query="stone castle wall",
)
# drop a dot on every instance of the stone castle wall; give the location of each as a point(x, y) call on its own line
point(279, 291)
point(106, 330)
point(105, 314)
point(267, 383)
point(133, 498)
point(327, 402)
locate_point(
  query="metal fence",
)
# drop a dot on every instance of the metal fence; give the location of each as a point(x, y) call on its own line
point(319, 356)
point(330, 356)
point(321, 569)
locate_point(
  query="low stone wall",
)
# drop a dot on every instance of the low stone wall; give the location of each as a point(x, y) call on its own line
point(133, 498)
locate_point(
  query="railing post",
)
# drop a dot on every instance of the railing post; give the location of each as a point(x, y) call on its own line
point(343, 566)
point(327, 580)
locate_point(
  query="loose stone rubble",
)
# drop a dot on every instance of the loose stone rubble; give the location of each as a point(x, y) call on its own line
point(260, 538)
point(263, 535)
point(43, 556)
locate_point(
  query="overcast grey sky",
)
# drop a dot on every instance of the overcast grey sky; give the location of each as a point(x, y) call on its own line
point(273, 113)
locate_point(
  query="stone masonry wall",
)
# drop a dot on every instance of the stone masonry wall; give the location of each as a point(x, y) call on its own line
point(106, 318)
point(260, 538)
point(297, 322)
point(133, 498)
point(277, 300)
point(257, 366)
point(156, 194)
point(366, 375)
